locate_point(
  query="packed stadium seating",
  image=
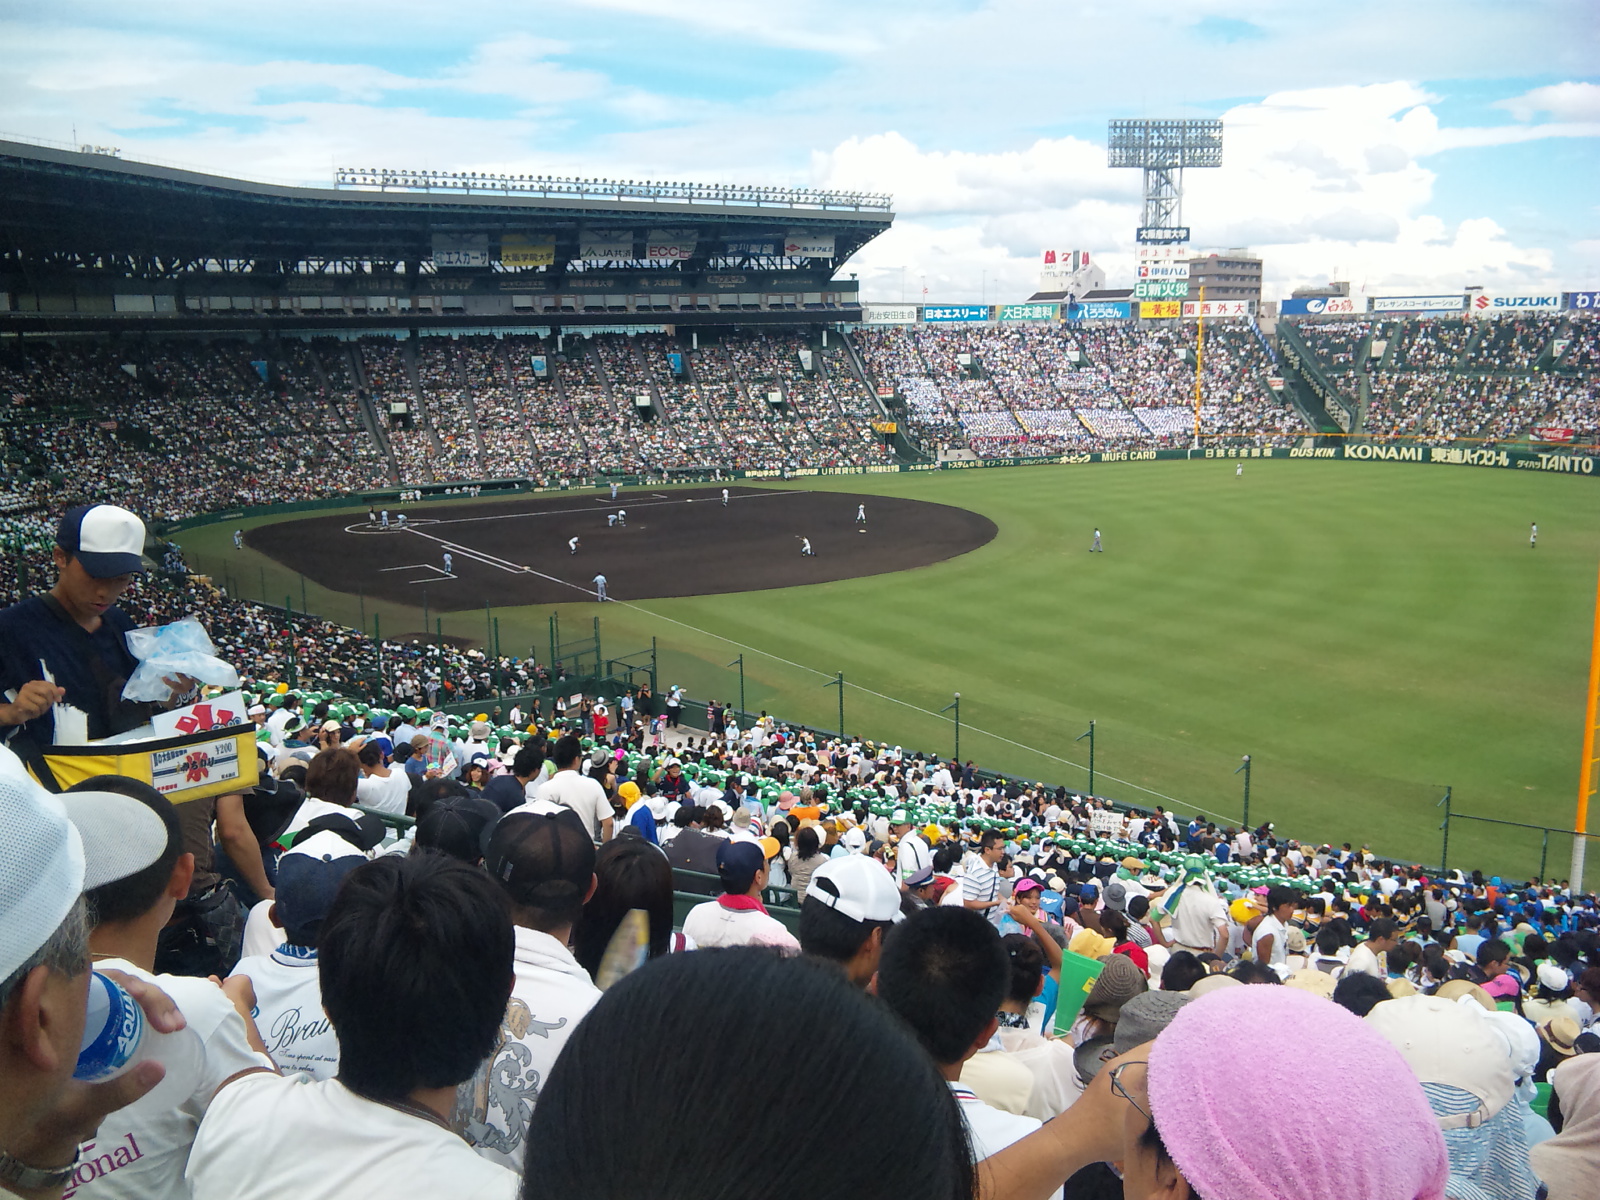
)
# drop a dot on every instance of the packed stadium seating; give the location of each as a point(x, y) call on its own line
point(181, 426)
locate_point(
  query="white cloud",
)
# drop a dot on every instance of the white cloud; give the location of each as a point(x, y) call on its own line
point(1569, 101)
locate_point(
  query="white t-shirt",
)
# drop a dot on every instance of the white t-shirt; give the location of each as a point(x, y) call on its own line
point(289, 1011)
point(552, 993)
point(386, 795)
point(989, 1130)
point(261, 936)
point(911, 855)
point(711, 926)
point(1365, 961)
point(267, 1138)
point(582, 795)
point(140, 1152)
point(1270, 924)
point(1200, 914)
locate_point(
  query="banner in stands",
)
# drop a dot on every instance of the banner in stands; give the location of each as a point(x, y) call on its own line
point(1552, 433)
point(1320, 306)
point(461, 250)
point(1589, 301)
point(671, 245)
point(606, 245)
point(1216, 308)
point(1161, 289)
point(886, 426)
point(954, 313)
point(1028, 312)
point(1151, 310)
point(808, 245)
point(888, 314)
point(764, 246)
point(1099, 310)
point(1415, 304)
point(519, 251)
point(1488, 304)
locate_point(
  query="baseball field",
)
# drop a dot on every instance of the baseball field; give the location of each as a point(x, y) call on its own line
point(1370, 633)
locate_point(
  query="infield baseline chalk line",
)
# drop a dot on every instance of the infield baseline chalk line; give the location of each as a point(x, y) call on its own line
point(914, 708)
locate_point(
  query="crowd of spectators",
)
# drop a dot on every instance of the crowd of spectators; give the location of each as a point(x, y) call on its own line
point(1337, 343)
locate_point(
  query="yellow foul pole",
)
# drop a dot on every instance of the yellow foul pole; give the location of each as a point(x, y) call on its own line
point(1586, 774)
point(1199, 355)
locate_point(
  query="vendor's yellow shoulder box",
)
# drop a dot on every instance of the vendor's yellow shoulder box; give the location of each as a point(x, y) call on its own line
point(193, 766)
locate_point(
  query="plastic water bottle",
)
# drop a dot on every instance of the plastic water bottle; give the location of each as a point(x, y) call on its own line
point(117, 1038)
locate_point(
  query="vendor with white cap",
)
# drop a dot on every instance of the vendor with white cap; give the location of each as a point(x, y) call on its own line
point(70, 645)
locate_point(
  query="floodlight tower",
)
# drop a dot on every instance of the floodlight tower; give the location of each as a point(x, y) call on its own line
point(1163, 149)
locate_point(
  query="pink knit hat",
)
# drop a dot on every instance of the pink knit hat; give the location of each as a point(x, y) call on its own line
point(1233, 1062)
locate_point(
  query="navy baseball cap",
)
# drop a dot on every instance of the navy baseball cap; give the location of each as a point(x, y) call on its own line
point(737, 864)
point(309, 875)
point(106, 540)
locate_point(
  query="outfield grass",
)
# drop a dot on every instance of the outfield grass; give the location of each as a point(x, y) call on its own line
point(1369, 633)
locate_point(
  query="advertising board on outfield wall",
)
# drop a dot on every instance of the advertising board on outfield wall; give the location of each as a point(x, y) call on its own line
point(1416, 304)
point(934, 314)
point(1028, 312)
point(1217, 308)
point(1491, 304)
point(888, 314)
point(1099, 310)
point(1320, 306)
point(1586, 301)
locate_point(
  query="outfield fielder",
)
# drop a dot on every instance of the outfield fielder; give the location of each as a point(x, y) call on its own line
point(1238, 470)
point(724, 497)
point(238, 539)
point(805, 548)
point(1533, 536)
point(1097, 547)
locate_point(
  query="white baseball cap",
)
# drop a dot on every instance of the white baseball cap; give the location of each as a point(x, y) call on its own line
point(858, 887)
point(57, 847)
point(106, 540)
point(1451, 1043)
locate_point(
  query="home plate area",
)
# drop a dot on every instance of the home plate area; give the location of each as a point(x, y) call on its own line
point(677, 543)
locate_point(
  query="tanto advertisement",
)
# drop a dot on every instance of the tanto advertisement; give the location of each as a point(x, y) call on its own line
point(612, 245)
point(954, 313)
point(1216, 308)
point(1320, 306)
point(808, 245)
point(671, 245)
point(888, 314)
point(1587, 301)
point(1099, 310)
point(1028, 312)
point(461, 250)
point(517, 251)
point(1416, 304)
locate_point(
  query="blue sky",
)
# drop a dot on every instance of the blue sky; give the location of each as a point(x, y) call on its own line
point(1420, 146)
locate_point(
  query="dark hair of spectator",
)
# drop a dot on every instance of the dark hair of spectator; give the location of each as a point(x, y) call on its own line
point(854, 1050)
point(1360, 992)
point(1182, 971)
point(332, 777)
point(415, 962)
point(944, 973)
point(1027, 966)
point(629, 873)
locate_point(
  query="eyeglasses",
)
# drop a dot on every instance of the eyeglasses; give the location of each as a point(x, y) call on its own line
point(1118, 1089)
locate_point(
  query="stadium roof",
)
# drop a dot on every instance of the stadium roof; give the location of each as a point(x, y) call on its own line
point(62, 209)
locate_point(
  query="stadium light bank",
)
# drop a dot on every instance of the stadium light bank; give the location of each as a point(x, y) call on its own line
point(731, 195)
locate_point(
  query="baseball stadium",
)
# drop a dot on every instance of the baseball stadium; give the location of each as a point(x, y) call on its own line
point(1314, 532)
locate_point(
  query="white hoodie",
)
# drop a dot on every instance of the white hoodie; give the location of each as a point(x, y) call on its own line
point(552, 993)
